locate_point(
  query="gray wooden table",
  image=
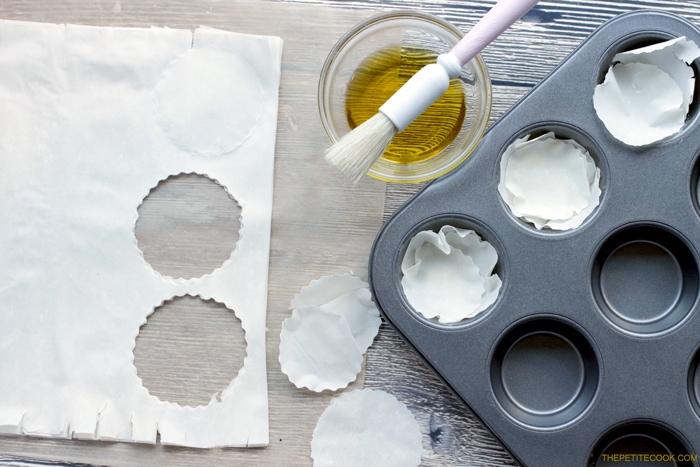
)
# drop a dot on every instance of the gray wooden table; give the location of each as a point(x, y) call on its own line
point(320, 224)
point(518, 60)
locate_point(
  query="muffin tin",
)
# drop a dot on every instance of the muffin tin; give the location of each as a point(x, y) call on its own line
point(593, 345)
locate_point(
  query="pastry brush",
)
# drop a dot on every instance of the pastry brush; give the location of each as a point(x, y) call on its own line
point(356, 152)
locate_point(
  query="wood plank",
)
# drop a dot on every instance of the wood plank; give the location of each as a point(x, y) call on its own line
point(518, 60)
point(321, 225)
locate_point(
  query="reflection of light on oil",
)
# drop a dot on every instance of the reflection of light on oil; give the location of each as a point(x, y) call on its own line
point(374, 82)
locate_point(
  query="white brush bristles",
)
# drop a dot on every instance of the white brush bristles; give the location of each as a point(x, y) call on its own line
point(358, 150)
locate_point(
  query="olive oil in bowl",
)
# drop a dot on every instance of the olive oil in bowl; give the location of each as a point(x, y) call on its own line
point(373, 60)
point(376, 80)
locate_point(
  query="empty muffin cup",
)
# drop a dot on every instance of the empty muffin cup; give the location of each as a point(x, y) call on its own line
point(645, 278)
point(641, 442)
point(544, 372)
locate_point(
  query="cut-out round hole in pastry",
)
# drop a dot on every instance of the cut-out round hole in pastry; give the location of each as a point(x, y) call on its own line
point(189, 350)
point(208, 101)
point(187, 226)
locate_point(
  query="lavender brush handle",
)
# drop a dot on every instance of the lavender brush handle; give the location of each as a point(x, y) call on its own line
point(432, 81)
point(498, 19)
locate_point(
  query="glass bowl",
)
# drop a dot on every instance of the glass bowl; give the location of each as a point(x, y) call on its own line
point(355, 68)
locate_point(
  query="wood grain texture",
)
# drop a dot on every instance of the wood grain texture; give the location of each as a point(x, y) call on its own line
point(321, 225)
point(189, 350)
point(452, 435)
point(517, 60)
point(187, 226)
